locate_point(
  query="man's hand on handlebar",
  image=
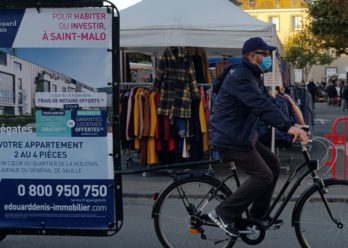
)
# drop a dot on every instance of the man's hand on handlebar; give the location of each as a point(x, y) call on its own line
point(299, 134)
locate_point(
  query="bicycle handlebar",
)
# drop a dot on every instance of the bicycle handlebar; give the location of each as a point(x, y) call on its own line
point(305, 128)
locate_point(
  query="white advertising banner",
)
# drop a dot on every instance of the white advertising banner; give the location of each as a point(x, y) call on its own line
point(31, 157)
point(268, 77)
point(62, 99)
point(64, 28)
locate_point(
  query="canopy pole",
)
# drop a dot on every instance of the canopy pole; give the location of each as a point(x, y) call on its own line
point(273, 94)
point(154, 65)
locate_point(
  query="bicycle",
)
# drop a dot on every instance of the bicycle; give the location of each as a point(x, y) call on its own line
point(180, 210)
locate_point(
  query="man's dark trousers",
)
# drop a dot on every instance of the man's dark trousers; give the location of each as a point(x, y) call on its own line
point(263, 167)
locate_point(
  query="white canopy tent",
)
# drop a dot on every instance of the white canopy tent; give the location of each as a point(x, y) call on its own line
point(216, 25)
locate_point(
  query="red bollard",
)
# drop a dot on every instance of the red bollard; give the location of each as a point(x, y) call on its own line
point(338, 140)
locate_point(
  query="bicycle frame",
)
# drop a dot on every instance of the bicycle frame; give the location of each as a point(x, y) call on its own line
point(311, 169)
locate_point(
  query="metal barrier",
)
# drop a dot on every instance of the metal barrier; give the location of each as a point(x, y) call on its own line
point(338, 140)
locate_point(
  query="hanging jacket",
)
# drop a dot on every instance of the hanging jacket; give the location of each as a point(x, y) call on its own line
point(241, 99)
point(176, 82)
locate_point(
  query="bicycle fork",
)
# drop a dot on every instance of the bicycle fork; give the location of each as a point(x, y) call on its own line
point(322, 191)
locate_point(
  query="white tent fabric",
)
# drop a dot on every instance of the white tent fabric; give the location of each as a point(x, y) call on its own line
point(216, 25)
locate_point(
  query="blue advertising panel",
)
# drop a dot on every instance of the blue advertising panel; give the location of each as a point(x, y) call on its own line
point(89, 123)
point(56, 203)
point(55, 167)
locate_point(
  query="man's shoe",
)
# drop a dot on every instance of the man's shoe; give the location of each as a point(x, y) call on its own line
point(229, 228)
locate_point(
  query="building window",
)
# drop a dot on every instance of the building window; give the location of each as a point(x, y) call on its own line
point(277, 3)
point(19, 81)
point(3, 58)
point(297, 23)
point(17, 66)
point(20, 110)
point(7, 110)
point(7, 88)
point(63, 89)
point(46, 87)
point(54, 88)
point(20, 98)
point(252, 3)
point(71, 89)
point(274, 20)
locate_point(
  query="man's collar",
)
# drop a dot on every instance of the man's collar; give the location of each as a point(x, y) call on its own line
point(252, 67)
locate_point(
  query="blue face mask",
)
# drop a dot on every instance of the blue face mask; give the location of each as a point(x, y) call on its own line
point(266, 63)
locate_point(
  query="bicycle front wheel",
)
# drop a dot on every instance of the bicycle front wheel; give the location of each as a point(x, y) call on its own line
point(180, 214)
point(313, 225)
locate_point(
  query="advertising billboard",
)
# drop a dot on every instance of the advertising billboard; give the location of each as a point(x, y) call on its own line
point(55, 137)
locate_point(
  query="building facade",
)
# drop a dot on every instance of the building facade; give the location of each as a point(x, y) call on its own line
point(287, 21)
point(20, 79)
point(290, 16)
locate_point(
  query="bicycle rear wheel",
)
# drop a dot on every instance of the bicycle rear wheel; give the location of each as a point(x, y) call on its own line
point(181, 210)
point(313, 224)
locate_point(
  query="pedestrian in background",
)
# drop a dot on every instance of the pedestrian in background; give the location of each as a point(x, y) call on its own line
point(312, 88)
point(332, 93)
point(340, 85)
point(345, 97)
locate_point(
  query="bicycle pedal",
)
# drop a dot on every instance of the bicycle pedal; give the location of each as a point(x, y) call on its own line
point(276, 226)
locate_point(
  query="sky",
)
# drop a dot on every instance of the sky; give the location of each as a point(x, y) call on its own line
point(122, 4)
point(90, 66)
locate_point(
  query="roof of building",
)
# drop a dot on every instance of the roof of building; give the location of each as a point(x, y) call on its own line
point(272, 4)
point(107, 90)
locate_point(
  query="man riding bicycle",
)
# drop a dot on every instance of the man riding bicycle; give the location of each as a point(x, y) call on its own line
point(242, 99)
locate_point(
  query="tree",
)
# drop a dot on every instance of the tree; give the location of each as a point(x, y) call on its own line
point(138, 57)
point(303, 51)
point(330, 23)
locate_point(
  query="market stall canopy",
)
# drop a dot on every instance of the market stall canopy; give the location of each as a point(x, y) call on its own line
point(216, 25)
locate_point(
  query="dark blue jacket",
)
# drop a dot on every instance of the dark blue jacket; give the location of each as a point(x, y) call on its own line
point(241, 99)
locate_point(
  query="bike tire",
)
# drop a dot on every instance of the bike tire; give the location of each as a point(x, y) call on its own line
point(313, 225)
point(172, 220)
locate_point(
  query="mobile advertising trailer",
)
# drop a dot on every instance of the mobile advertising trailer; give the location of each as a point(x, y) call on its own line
point(57, 164)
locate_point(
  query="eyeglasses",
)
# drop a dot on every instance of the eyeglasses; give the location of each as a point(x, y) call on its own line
point(262, 53)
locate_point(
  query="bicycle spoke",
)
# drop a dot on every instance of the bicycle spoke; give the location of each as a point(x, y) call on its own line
point(179, 219)
point(179, 232)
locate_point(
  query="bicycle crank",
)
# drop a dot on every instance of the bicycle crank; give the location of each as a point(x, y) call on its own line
point(251, 232)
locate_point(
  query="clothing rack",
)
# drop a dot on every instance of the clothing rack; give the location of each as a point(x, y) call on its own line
point(128, 85)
